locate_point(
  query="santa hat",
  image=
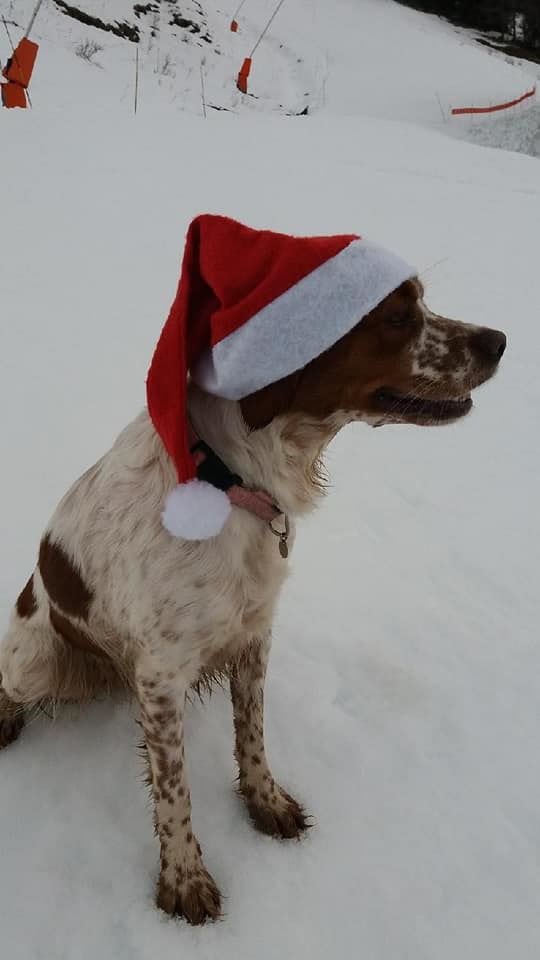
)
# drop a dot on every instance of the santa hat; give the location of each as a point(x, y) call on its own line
point(252, 307)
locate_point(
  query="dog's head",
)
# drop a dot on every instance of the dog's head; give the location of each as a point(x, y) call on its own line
point(400, 364)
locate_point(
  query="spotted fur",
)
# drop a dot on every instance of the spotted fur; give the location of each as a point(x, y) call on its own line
point(116, 604)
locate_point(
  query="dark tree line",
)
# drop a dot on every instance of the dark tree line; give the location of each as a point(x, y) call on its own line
point(516, 21)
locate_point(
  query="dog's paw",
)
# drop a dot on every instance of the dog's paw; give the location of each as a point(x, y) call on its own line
point(189, 893)
point(10, 728)
point(273, 811)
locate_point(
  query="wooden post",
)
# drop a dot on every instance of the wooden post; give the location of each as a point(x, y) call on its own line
point(203, 96)
point(33, 17)
point(441, 106)
point(136, 78)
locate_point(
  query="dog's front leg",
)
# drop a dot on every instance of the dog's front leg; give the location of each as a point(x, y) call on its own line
point(185, 887)
point(270, 807)
point(11, 719)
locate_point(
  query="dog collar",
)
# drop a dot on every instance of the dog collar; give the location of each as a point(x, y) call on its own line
point(213, 470)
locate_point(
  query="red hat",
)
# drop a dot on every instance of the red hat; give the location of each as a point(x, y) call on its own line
point(252, 307)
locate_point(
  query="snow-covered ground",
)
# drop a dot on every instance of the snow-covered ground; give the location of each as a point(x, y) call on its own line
point(368, 57)
point(517, 129)
point(402, 702)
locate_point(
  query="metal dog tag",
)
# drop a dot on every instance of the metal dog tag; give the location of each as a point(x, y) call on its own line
point(283, 537)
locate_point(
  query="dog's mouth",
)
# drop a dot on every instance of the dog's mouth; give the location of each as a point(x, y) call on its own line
point(409, 407)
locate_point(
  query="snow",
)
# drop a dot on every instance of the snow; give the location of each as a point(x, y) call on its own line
point(368, 57)
point(402, 703)
point(517, 129)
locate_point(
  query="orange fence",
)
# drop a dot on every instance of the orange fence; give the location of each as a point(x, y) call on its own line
point(499, 106)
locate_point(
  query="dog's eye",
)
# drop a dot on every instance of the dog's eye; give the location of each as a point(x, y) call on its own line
point(398, 320)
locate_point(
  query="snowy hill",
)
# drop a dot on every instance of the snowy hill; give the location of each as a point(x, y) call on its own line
point(403, 690)
point(368, 57)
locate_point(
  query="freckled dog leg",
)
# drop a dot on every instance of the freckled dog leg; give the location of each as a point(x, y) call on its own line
point(185, 887)
point(271, 809)
point(11, 719)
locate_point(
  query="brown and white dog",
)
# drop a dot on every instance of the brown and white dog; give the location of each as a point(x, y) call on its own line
point(116, 602)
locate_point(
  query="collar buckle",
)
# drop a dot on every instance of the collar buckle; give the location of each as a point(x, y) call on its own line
point(212, 469)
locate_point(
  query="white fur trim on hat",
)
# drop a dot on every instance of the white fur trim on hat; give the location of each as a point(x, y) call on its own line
point(303, 322)
point(195, 510)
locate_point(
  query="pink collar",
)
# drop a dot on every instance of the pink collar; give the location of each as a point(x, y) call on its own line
point(255, 501)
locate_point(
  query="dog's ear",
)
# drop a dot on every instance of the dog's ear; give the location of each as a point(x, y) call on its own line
point(259, 409)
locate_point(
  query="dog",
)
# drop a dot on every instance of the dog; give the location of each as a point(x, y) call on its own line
point(115, 603)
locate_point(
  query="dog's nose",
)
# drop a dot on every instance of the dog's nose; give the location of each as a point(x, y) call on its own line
point(491, 344)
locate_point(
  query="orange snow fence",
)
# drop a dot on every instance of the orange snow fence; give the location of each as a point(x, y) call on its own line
point(18, 73)
point(241, 83)
point(456, 111)
point(234, 26)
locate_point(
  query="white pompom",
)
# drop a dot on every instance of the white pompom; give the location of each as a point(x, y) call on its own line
point(195, 510)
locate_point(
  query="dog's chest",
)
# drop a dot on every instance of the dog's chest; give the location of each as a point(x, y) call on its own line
point(241, 605)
